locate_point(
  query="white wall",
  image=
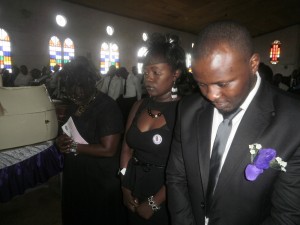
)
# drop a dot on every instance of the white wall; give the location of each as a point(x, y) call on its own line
point(290, 49)
point(31, 23)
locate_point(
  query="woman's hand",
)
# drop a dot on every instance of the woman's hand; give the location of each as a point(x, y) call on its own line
point(63, 143)
point(129, 201)
point(144, 210)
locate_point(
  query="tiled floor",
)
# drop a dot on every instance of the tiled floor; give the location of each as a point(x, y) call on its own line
point(39, 206)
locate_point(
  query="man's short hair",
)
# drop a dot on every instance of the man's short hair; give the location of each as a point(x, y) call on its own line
point(229, 32)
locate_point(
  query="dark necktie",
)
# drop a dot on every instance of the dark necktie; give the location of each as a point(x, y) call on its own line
point(218, 150)
point(124, 89)
point(111, 77)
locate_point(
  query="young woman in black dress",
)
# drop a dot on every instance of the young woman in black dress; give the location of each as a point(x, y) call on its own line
point(148, 133)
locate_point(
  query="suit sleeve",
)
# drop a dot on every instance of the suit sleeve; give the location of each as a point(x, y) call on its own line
point(286, 195)
point(178, 197)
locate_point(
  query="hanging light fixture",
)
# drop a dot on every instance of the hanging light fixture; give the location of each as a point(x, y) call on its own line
point(275, 52)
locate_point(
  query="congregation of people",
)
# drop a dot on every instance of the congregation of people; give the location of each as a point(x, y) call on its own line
point(149, 155)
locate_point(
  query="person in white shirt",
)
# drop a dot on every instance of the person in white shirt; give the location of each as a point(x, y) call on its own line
point(112, 84)
point(131, 91)
point(133, 85)
point(24, 78)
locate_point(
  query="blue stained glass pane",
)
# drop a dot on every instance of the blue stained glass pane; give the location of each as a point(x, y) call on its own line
point(5, 50)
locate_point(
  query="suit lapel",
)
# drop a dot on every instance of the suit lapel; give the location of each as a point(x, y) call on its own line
point(203, 142)
point(254, 122)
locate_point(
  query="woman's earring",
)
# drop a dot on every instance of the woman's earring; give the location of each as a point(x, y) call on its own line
point(174, 91)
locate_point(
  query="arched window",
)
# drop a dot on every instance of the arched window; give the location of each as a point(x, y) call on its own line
point(5, 50)
point(140, 54)
point(55, 52)
point(189, 62)
point(275, 52)
point(109, 55)
point(59, 55)
point(69, 50)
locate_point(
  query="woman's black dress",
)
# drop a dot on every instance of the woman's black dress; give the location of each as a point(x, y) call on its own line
point(145, 173)
point(91, 189)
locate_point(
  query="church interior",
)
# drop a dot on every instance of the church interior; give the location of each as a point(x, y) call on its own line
point(44, 33)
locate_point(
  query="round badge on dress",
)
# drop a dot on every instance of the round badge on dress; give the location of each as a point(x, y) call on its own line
point(157, 139)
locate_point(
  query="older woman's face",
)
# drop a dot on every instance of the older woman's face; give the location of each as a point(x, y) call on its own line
point(159, 78)
point(79, 95)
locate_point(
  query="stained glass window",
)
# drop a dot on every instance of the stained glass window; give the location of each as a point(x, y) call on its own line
point(59, 55)
point(69, 50)
point(5, 50)
point(140, 54)
point(275, 52)
point(109, 55)
point(189, 62)
point(55, 52)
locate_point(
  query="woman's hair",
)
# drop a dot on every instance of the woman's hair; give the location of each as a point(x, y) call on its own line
point(80, 72)
point(186, 84)
point(167, 48)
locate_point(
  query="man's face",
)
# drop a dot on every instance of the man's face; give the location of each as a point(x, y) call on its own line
point(134, 70)
point(225, 77)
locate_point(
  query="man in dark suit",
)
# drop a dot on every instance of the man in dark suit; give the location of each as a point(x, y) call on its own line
point(225, 68)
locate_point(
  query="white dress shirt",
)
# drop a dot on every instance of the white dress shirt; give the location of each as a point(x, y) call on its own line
point(218, 118)
point(113, 87)
point(133, 87)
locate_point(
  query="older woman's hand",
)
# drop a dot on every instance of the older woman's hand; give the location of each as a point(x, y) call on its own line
point(64, 142)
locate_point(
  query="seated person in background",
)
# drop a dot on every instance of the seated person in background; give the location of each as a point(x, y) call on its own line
point(5, 77)
point(24, 78)
point(295, 82)
point(277, 81)
point(148, 134)
point(14, 73)
point(44, 77)
point(36, 75)
point(53, 83)
point(91, 192)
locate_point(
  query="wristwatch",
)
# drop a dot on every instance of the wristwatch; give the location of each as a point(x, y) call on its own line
point(122, 171)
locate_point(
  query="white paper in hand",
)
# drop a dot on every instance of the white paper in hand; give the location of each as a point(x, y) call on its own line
point(70, 129)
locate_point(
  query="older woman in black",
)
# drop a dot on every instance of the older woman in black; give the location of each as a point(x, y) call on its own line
point(149, 132)
point(91, 189)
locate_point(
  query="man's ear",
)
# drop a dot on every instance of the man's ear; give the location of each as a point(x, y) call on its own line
point(254, 63)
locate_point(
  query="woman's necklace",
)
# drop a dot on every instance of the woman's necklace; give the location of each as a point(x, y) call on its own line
point(82, 108)
point(154, 116)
